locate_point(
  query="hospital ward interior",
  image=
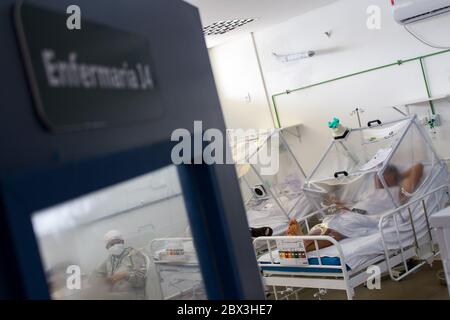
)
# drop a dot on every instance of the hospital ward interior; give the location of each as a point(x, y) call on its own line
point(335, 121)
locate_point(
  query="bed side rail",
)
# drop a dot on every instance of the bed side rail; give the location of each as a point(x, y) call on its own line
point(427, 204)
point(270, 242)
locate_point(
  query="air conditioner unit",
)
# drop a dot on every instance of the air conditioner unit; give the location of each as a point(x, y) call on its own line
point(408, 11)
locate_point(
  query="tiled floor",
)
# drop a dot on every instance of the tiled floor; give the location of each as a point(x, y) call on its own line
point(422, 285)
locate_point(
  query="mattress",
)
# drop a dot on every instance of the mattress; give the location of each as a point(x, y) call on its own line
point(326, 261)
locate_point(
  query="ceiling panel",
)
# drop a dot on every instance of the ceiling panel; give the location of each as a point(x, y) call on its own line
point(265, 12)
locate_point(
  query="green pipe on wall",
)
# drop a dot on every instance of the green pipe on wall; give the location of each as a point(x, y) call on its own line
point(398, 63)
point(277, 116)
point(427, 85)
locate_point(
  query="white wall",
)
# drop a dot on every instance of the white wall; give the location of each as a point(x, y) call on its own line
point(238, 76)
point(352, 47)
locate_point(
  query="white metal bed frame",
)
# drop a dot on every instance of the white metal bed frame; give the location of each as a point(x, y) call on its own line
point(348, 280)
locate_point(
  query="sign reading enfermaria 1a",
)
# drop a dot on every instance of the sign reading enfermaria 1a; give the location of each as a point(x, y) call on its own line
point(89, 76)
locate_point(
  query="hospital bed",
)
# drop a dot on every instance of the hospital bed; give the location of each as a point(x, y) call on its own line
point(350, 262)
point(347, 174)
point(177, 269)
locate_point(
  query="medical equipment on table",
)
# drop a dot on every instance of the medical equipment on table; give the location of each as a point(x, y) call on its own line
point(275, 197)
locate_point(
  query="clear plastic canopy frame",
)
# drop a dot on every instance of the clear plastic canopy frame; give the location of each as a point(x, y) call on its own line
point(364, 169)
point(281, 190)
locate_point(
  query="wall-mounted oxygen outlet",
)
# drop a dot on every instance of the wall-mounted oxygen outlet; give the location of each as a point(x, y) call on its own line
point(434, 121)
point(431, 121)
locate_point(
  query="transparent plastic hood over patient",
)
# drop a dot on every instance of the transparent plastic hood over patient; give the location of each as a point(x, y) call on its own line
point(273, 196)
point(375, 169)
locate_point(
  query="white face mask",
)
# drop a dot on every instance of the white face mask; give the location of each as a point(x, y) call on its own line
point(116, 249)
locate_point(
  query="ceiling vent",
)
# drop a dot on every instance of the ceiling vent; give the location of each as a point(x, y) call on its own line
point(222, 27)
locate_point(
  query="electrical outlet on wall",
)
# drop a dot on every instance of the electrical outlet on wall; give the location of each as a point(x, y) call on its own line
point(431, 121)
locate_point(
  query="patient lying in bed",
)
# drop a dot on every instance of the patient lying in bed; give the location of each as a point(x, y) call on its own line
point(348, 223)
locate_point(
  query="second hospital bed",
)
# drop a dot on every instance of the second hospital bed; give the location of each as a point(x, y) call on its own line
point(271, 199)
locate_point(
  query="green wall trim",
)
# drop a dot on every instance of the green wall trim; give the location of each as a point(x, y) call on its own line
point(427, 86)
point(398, 63)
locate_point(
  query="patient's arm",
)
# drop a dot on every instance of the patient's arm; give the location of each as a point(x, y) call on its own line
point(331, 201)
point(320, 230)
point(411, 179)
